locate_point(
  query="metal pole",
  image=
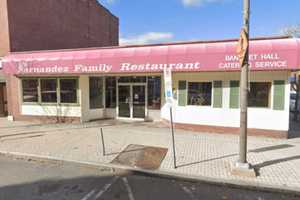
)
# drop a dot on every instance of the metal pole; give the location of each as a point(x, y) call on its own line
point(296, 111)
point(103, 146)
point(244, 91)
point(173, 137)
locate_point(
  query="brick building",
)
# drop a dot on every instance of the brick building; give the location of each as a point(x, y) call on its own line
point(32, 25)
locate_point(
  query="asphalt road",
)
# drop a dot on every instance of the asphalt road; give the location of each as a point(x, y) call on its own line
point(32, 180)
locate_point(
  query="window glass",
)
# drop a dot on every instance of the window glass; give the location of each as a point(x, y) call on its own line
point(154, 92)
point(68, 90)
point(199, 93)
point(96, 92)
point(48, 90)
point(110, 91)
point(30, 90)
point(259, 94)
point(132, 79)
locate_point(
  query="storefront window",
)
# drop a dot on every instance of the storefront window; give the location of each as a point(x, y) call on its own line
point(68, 90)
point(110, 92)
point(96, 92)
point(199, 93)
point(48, 90)
point(259, 94)
point(154, 92)
point(30, 90)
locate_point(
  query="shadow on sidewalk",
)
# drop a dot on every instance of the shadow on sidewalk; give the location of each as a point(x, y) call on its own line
point(274, 162)
point(271, 148)
point(59, 127)
point(258, 150)
point(207, 160)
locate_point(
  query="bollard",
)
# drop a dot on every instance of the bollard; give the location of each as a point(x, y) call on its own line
point(173, 138)
point(102, 138)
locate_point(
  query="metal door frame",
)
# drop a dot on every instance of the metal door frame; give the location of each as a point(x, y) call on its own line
point(131, 101)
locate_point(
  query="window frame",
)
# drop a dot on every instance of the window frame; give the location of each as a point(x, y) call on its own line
point(211, 96)
point(160, 98)
point(58, 102)
point(270, 98)
point(103, 93)
point(77, 90)
point(57, 95)
point(22, 91)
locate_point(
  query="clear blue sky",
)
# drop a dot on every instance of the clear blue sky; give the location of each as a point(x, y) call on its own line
point(151, 21)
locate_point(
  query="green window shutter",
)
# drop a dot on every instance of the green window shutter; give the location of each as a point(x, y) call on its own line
point(182, 93)
point(234, 94)
point(218, 93)
point(278, 95)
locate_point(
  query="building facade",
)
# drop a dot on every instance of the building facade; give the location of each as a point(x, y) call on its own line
point(127, 83)
point(58, 24)
point(31, 25)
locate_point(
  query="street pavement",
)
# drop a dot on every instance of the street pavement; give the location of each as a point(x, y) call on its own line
point(34, 180)
point(204, 156)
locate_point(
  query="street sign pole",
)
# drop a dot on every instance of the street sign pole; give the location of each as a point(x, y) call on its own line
point(169, 102)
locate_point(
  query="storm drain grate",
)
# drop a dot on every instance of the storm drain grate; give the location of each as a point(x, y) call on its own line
point(145, 157)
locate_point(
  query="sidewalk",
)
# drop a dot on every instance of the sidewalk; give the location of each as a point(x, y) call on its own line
point(205, 156)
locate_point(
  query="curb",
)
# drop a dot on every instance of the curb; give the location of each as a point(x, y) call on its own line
point(161, 174)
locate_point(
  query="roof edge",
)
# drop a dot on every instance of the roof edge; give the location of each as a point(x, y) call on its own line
point(158, 44)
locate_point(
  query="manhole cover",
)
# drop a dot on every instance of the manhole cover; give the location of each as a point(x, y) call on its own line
point(145, 157)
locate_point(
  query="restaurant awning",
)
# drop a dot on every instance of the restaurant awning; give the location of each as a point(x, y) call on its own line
point(265, 54)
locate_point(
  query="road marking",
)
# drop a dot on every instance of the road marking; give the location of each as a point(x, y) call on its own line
point(129, 190)
point(88, 195)
point(106, 187)
point(189, 192)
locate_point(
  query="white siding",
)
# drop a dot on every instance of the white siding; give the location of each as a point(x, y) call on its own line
point(260, 118)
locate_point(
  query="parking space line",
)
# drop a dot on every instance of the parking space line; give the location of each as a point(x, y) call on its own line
point(188, 192)
point(129, 190)
point(106, 187)
point(87, 196)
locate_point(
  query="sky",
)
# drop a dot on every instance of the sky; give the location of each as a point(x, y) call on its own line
point(155, 21)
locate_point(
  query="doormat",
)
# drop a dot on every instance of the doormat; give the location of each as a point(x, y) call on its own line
point(139, 156)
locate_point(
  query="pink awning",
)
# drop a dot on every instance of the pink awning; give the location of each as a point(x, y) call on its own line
point(272, 54)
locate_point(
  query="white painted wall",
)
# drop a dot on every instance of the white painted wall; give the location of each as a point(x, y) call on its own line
point(51, 110)
point(153, 115)
point(110, 113)
point(260, 118)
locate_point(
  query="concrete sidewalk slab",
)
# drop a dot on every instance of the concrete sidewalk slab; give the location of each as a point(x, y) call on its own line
point(203, 156)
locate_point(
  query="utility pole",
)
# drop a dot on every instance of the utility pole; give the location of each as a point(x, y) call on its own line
point(244, 89)
point(242, 167)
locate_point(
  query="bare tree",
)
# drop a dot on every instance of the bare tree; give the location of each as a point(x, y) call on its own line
point(293, 31)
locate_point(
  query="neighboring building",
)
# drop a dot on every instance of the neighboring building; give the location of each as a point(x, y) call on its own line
point(126, 83)
point(4, 49)
point(31, 25)
point(60, 24)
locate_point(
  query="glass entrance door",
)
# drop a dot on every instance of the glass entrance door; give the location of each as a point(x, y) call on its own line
point(132, 101)
point(139, 101)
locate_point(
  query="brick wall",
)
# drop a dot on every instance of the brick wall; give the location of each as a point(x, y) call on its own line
point(4, 35)
point(60, 24)
point(2, 88)
point(13, 99)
